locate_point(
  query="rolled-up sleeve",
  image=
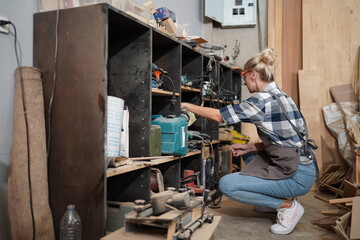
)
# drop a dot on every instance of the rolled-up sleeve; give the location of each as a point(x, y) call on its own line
point(250, 110)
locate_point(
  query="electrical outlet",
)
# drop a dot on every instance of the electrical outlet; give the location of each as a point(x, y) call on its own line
point(4, 28)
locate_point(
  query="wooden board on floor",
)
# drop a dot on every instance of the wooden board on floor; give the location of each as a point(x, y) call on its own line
point(334, 212)
point(355, 219)
point(341, 200)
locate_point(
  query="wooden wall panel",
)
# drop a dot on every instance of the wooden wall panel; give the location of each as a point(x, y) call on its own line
point(292, 47)
point(331, 38)
point(285, 37)
point(275, 36)
point(308, 83)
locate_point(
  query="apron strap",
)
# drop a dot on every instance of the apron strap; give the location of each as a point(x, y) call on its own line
point(309, 144)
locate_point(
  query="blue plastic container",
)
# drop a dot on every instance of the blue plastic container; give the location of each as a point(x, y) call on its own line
point(174, 134)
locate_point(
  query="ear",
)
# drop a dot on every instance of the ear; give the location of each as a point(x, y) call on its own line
point(253, 75)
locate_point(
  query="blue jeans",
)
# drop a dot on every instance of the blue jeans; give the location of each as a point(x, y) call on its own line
point(265, 192)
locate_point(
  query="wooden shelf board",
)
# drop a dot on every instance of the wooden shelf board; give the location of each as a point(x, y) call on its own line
point(160, 92)
point(191, 154)
point(125, 169)
point(189, 89)
point(212, 142)
point(161, 161)
point(214, 100)
point(143, 164)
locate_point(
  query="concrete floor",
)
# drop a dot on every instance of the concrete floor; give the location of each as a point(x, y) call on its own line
point(240, 221)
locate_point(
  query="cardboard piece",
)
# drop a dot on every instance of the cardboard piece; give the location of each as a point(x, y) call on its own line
point(225, 134)
point(345, 93)
point(198, 40)
point(150, 5)
point(169, 25)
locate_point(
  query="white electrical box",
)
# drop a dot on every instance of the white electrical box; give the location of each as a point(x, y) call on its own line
point(232, 13)
point(4, 28)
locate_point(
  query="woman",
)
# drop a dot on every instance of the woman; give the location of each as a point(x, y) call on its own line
point(276, 173)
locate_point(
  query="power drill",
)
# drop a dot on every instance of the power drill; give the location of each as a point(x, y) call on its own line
point(156, 79)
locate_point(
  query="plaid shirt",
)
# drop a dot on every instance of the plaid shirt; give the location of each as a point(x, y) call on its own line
point(263, 110)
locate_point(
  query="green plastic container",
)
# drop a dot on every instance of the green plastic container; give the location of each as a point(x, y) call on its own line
point(155, 140)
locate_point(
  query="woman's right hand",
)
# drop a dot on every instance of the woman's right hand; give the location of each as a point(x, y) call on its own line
point(240, 149)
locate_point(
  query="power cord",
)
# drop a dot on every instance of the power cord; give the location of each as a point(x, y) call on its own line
point(54, 85)
point(3, 23)
point(173, 97)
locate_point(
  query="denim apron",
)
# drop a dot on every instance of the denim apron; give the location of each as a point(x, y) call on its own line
point(275, 162)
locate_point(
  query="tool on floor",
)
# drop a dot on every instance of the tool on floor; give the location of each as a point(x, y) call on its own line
point(186, 233)
point(192, 181)
point(180, 213)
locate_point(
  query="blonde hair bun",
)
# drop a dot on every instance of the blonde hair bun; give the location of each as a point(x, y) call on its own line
point(264, 64)
point(268, 56)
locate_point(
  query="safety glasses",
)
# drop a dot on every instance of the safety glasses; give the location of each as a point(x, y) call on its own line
point(242, 76)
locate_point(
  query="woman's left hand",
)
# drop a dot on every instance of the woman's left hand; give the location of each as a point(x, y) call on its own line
point(240, 149)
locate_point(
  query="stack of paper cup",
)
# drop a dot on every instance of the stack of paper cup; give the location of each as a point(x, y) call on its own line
point(115, 110)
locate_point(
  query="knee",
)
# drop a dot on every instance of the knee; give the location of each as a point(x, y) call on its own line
point(225, 185)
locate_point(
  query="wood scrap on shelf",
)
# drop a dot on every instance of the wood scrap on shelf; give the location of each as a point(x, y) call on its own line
point(117, 161)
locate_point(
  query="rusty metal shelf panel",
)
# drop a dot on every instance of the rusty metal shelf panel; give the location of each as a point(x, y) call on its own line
point(76, 158)
point(167, 55)
point(129, 186)
point(170, 172)
point(191, 62)
point(225, 80)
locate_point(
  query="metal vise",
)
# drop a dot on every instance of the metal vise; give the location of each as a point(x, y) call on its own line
point(161, 201)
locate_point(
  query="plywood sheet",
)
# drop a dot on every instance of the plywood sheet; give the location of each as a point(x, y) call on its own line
point(308, 91)
point(292, 47)
point(330, 42)
point(275, 30)
point(285, 37)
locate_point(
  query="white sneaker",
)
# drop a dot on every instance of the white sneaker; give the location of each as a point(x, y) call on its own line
point(264, 209)
point(287, 218)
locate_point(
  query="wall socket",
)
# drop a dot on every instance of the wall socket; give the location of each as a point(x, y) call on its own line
point(4, 28)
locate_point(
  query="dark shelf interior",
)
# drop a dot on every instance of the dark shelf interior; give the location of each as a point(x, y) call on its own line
point(129, 186)
point(114, 58)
